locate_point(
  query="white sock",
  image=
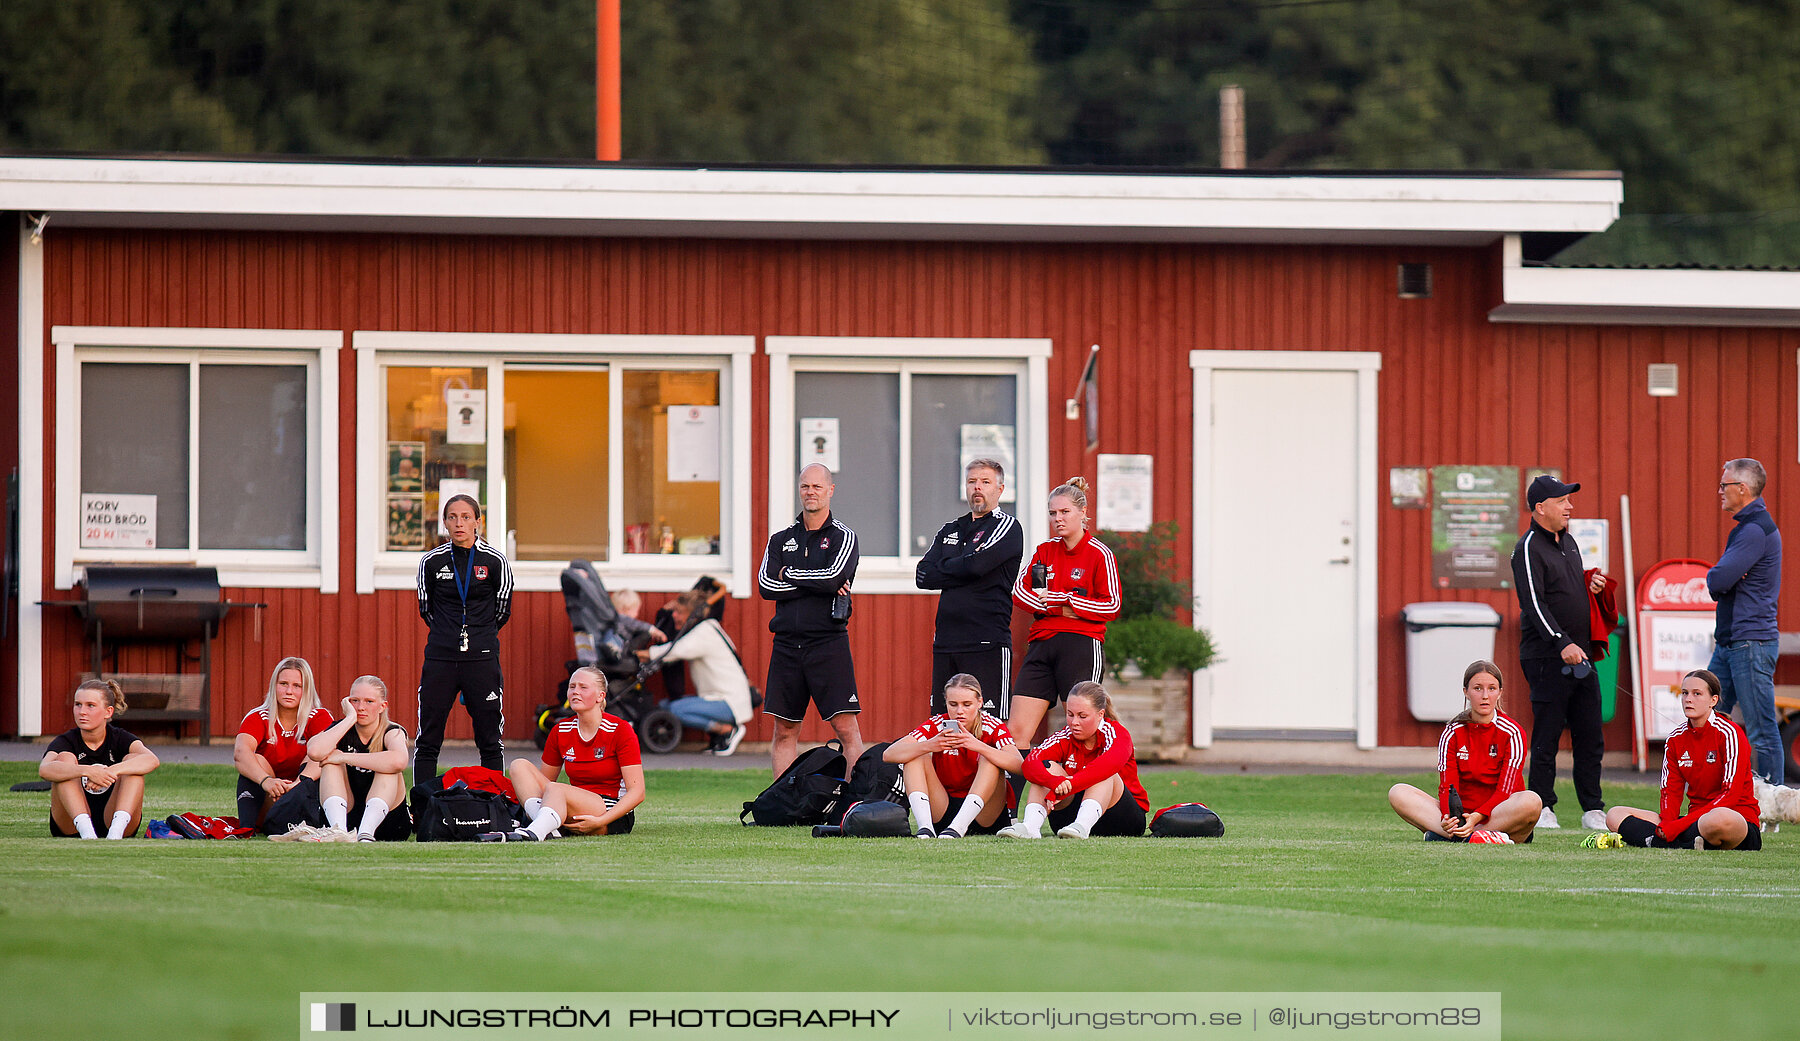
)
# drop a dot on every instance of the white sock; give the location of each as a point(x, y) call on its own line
point(532, 806)
point(1035, 815)
point(546, 821)
point(84, 826)
point(374, 811)
point(971, 806)
point(116, 830)
point(337, 813)
point(1089, 812)
point(921, 808)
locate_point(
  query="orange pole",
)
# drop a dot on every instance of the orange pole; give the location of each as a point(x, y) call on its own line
point(606, 80)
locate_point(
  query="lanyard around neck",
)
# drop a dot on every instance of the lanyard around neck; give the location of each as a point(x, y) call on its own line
point(463, 580)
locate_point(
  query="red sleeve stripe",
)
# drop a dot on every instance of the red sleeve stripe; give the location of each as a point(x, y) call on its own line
point(1444, 746)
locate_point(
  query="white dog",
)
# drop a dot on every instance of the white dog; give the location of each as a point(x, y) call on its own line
point(1776, 803)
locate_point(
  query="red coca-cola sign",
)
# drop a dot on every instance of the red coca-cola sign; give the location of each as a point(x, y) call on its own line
point(1675, 585)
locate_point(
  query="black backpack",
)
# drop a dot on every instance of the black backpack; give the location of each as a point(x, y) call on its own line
point(460, 813)
point(808, 792)
point(872, 781)
point(875, 819)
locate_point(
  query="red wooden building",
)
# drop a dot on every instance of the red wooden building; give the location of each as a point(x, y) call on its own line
point(292, 359)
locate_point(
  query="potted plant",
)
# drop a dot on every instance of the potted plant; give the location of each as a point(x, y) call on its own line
point(1151, 654)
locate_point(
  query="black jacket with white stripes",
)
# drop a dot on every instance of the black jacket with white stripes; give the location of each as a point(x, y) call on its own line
point(489, 580)
point(1553, 594)
point(801, 571)
point(974, 562)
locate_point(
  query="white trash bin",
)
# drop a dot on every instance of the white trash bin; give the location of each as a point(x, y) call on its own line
point(1441, 640)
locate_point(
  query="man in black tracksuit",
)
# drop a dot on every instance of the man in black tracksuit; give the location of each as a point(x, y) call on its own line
point(974, 560)
point(807, 567)
point(465, 596)
point(1554, 633)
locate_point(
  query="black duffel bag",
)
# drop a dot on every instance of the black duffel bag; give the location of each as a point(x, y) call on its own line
point(1187, 820)
point(460, 813)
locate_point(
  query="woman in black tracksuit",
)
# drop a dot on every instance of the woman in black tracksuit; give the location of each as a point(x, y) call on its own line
point(465, 597)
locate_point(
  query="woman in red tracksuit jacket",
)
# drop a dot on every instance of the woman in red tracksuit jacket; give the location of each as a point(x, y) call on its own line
point(1071, 588)
point(1479, 756)
point(1707, 759)
point(1084, 778)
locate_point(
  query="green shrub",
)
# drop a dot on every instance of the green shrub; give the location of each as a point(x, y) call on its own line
point(1156, 645)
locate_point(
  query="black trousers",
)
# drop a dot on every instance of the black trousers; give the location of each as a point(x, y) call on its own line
point(1561, 702)
point(480, 685)
point(991, 667)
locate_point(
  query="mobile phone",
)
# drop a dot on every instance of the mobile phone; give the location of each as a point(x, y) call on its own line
point(950, 726)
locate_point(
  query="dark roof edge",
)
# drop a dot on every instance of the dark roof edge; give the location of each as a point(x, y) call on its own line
point(594, 164)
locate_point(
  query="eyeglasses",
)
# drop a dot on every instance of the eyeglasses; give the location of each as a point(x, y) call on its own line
point(1581, 670)
point(1728, 484)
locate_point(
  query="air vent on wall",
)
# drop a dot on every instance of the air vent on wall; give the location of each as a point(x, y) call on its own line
point(1415, 281)
point(1665, 381)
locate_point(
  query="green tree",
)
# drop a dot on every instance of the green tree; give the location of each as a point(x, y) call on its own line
point(1698, 104)
point(867, 81)
point(86, 75)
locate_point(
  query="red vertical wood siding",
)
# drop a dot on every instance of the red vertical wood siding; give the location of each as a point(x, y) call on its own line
point(1454, 388)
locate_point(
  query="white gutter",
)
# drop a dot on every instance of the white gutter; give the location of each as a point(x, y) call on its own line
point(1630, 296)
point(592, 200)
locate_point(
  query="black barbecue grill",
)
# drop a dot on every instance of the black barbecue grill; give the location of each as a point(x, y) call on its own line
point(172, 605)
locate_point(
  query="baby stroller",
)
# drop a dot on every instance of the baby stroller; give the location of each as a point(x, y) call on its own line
point(609, 641)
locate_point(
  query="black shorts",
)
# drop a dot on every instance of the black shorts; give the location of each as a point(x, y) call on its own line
point(975, 826)
point(1055, 664)
point(991, 667)
point(96, 812)
point(1123, 818)
point(1752, 839)
point(819, 671)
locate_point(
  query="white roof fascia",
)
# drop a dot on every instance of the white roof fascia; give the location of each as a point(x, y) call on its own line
point(1633, 296)
point(583, 200)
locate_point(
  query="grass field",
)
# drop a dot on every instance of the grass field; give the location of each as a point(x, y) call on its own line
point(1316, 886)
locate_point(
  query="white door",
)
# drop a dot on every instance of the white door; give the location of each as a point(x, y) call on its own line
point(1279, 578)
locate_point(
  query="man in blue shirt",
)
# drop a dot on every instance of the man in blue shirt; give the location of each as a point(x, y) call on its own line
point(1746, 582)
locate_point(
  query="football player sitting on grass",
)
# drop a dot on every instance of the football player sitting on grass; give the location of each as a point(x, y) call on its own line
point(1481, 793)
point(1707, 759)
point(955, 766)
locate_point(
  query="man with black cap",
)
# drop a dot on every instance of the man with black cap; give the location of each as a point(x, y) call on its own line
point(1554, 631)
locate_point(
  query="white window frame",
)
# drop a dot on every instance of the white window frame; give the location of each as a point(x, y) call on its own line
point(1027, 359)
point(315, 567)
point(729, 356)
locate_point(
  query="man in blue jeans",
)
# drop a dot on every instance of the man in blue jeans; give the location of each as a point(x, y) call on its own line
point(1746, 582)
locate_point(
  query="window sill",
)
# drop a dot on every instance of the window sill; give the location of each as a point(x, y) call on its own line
point(646, 573)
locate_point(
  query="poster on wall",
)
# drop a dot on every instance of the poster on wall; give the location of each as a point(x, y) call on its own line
point(1474, 523)
point(451, 486)
point(693, 443)
point(406, 466)
point(467, 416)
point(118, 521)
point(1406, 488)
point(405, 521)
point(819, 442)
point(988, 441)
point(1125, 486)
point(1592, 538)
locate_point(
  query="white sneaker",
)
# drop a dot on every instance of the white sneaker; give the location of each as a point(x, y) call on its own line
point(1594, 820)
point(1547, 819)
point(1017, 830)
point(1074, 830)
point(296, 833)
point(732, 740)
